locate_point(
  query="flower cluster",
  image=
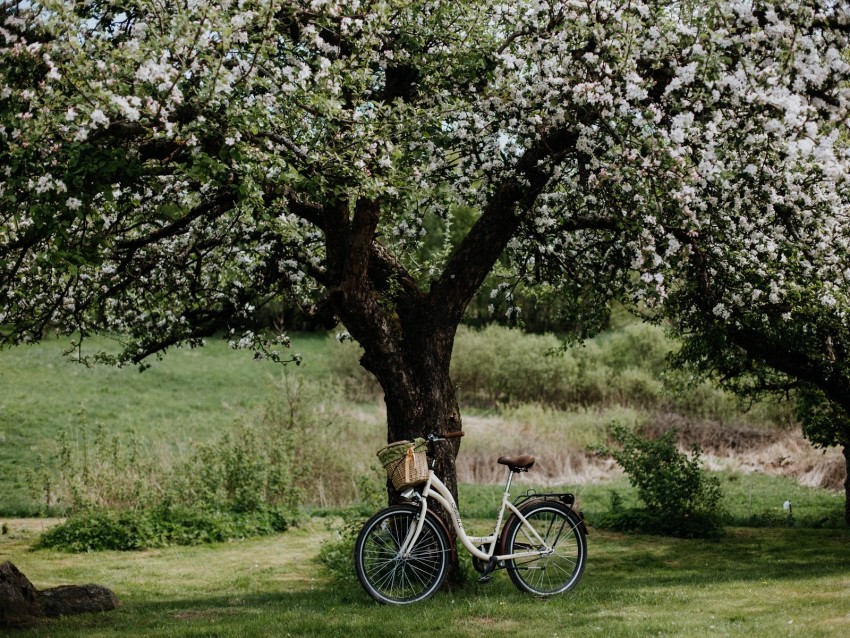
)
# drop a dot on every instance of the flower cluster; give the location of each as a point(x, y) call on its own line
point(170, 170)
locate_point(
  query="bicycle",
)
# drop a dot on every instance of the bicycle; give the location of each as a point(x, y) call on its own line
point(402, 553)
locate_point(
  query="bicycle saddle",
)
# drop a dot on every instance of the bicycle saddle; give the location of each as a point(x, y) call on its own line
point(517, 463)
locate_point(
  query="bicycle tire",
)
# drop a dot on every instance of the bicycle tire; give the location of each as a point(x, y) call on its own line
point(389, 578)
point(563, 531)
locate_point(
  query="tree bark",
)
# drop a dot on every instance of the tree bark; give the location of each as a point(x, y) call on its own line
point(419, 393)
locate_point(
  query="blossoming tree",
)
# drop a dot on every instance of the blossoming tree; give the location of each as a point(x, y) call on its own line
point(169, 166)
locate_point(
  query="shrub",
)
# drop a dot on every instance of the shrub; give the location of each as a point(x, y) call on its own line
point(680, 498)
point(637, 345)
point(163, 526)
point(337, 552)
point(502, 365)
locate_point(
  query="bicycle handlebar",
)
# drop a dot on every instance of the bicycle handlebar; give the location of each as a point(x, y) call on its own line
point(442, 437)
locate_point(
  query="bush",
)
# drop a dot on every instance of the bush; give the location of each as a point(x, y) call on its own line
point(123, 530)
point(337, 553)
point(680, 498)
point(344, 365)
point(637, 346)
point(502, 365)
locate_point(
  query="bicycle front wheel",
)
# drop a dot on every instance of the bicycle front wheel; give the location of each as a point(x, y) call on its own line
point(385, 574)
point(558, 563)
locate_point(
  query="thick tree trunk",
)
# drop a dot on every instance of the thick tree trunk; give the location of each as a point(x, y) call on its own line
point(420, 396)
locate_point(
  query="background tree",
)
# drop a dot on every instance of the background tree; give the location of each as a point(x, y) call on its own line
point(760, 288)
point(171, 167)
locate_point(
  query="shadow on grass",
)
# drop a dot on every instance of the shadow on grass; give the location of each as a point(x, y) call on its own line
point(623, 571)
point(742, 555)
point(324, 611)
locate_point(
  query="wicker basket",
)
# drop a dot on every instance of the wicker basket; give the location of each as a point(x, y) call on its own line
point(405, 462)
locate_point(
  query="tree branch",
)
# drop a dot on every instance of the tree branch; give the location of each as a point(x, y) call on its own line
point(507, 209)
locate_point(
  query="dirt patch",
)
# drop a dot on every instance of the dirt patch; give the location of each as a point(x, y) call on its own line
point(713, 436)
point(504, 625)
point(748, 449)
point(725, 446)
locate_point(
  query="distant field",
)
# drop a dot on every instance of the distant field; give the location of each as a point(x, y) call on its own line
point(195, 395)
point(188, 395)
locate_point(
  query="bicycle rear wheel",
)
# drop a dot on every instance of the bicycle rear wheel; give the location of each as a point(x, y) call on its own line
point(561, 562)
point(394, 579)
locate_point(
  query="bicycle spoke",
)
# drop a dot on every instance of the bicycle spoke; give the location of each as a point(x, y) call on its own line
point(561, 560)
point(391, 577)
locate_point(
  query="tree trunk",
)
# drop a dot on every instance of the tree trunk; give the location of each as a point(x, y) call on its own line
point(420, 396)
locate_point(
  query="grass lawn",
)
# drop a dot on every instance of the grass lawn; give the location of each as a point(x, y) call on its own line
point(773, 582)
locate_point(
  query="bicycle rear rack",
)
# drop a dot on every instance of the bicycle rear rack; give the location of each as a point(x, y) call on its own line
point(566, 498)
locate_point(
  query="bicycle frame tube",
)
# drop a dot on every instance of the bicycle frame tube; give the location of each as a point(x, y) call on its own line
point(436, 489)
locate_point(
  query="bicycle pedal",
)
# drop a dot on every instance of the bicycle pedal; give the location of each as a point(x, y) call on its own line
point(487, 574)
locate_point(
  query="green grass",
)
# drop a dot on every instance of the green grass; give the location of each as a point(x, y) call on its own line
point(776, 582)
point(188, 395)
point(753, 500)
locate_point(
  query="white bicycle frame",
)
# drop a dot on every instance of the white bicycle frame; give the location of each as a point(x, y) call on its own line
point(436, 489)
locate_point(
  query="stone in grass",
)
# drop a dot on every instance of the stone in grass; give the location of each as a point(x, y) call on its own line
point(18, 598)
point(21, 603)
point(76, 599)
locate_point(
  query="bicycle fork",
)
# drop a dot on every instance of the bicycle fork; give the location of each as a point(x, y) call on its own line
point(412, 535)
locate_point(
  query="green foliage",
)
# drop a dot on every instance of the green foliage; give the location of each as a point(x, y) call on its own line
point(160, 527)
point(497, 365)
point(824, 422)
point(238, 486)
point(344, 366)
point(337, 553)
point(248, 481)
point(191, 397)
point(245, 470)
point(679, 497)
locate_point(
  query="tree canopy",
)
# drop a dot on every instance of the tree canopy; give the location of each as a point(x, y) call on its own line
point(171, 166)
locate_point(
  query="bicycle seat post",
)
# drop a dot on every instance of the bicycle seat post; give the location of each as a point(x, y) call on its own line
point(508, 482)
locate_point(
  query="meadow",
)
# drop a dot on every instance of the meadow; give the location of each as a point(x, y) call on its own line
point(772, 570)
